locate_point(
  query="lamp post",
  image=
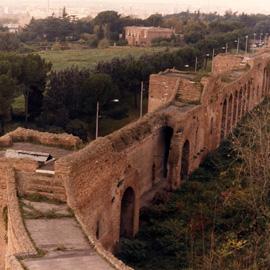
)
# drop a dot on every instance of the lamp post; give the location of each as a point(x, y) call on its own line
point(237, 45)
point(213, 56)
point(261, 34)
point(98, 115)
point(141, 101)
point(206, 60)
point(196, 64)
point(254, 42)
point(246, 50)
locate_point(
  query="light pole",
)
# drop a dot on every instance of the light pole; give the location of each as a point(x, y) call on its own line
point(254, 42)
point(261, 34)
point(196, 64)
point(213, 56)
point(98, 115)
point(141, 101)
point(206, 60)
point(237, 45)
point(246, 50)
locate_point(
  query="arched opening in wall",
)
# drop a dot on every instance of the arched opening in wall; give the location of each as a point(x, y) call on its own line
point(127, 214)
point(223, 120)
point(240, 104)
point(248, 96)
point(244, 102)
point(230, 111)
point(212, 126)
point(167, 133)
point(235, 102)
point(153, 174)
point(185, 161)
point(98, 230)
point(264, 80)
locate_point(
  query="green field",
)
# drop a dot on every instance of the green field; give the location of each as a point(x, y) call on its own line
point(86, 58)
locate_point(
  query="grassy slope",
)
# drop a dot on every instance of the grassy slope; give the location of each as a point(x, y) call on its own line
point(90, 57)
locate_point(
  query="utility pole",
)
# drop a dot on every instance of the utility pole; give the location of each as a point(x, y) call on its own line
point(141, 101)
point(97, 119)
point(246, 50)
point(196, 64)
point(213, 56)
point(226, 48)
point(238, 45)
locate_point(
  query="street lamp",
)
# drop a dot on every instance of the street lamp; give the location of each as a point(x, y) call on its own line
point(196, 64)
point(237, 46)
point(98, 115)
point(141, 101)
point(261, 34)
point(254, 41)
point(246, 50)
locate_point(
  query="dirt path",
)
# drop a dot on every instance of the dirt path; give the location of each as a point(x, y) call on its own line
point(59, 238)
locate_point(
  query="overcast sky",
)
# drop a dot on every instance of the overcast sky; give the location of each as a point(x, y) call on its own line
point(250, 6)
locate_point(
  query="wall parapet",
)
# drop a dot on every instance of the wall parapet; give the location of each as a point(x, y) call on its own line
point(106, 255)
point(33, 136)
point(19, 242)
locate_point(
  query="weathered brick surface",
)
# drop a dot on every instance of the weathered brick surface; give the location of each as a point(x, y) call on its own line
point(27, 135)
point(96, 177)
point(198, 115)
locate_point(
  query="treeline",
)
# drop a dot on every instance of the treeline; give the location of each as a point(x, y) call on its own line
point(107, 28)
point(68, 101)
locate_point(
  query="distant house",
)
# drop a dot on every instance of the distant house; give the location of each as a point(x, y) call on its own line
point(143, 36)
point(12, 27)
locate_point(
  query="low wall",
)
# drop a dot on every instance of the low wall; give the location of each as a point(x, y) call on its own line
point(27, 135)
point(19, 243)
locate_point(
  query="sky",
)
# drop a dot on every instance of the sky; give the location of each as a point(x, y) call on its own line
point(162, 6)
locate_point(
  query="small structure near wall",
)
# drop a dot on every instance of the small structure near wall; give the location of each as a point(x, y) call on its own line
point(41, 158)
point(143, 36)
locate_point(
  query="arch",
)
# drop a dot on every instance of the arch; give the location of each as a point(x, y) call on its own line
point(98, 230)
point(229, 117)
point(185, 161)
point(244, 102)
point(127, 214)
point(223, 119)
point(211, 126)
point(248, 96)
point(167, 133)
point(240, 103)
point(235, 107)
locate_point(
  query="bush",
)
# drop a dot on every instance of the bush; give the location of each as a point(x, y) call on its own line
point(103, 44)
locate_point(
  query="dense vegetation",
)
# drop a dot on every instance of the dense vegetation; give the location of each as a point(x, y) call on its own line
point(220, 217)
point(66, 100)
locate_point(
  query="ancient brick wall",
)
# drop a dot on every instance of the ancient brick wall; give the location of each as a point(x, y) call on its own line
point(175, 137)
point(226, 62)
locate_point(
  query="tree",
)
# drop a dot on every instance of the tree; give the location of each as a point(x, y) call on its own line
point(9, 41)
point(32, 81)
point(8, 89)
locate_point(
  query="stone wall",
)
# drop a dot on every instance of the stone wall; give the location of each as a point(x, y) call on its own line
point(226, 62)
point(27, 135)
point(18, 241)
point(134, 158)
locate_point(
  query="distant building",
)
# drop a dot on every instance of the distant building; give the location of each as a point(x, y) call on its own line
point(143, 36)
point(12, 27)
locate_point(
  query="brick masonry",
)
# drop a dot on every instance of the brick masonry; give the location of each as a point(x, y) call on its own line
point(107, 181)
